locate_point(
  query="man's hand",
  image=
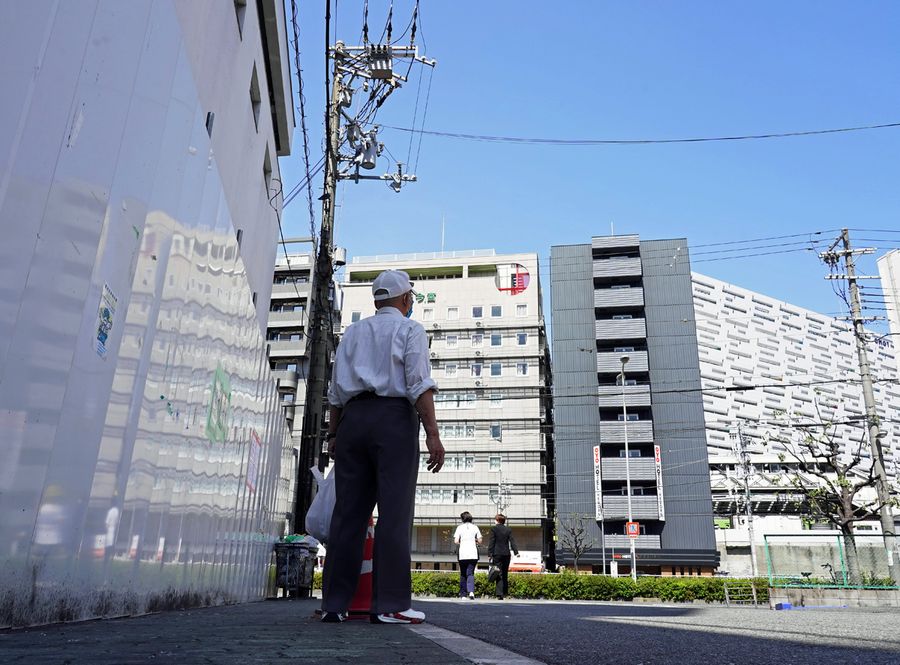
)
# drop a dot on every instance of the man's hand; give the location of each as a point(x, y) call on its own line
point(331, 441)
point(436, 452)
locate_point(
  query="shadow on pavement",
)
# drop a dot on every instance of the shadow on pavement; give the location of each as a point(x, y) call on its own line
point(616, 633)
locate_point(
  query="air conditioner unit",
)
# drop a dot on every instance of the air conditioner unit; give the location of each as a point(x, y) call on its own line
point(433, 354)
point(478, 353)
point(478, 324)
point(435, 325)
point(478, 383)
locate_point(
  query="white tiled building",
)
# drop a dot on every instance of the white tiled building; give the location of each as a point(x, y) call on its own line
point(490, 360)
point(748, 339)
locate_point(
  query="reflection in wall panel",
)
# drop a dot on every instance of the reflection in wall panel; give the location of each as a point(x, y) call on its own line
point(142, 438)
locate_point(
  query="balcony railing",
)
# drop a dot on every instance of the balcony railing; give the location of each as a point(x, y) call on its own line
point(281, 348)
point(641, 468)
point(633, 297)
point(288, 377)
point(642, 507)
point(639, 431)
point(621, 329)
point(294, 318)
point(641, 542)
point(290, 290)
point(617, 267)
point(634, 396)
point(611, 361)
point(625, 241)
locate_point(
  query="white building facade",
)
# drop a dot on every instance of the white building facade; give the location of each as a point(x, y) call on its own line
point(490, 359)
point(889, 270)
point(768, 365)
point(143, 440)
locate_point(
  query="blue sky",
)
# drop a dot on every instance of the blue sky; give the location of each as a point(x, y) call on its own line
point(631, 70)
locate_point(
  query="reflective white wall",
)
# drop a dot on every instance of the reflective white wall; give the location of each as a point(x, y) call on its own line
point(141, 440)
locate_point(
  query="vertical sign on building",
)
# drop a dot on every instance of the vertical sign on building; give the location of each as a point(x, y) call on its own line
point(106, 316)
point(659, 485)
point(598, 490)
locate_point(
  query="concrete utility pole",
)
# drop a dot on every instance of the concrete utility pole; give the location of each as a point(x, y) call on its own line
point(881, 484)
point(744, 460)
point(371, 68)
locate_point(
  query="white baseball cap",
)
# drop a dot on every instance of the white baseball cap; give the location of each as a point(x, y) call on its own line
point(390, 284)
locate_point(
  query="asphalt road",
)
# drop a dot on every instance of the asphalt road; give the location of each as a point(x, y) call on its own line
point(567, 633)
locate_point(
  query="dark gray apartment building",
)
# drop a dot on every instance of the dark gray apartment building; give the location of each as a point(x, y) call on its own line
point(618, 296)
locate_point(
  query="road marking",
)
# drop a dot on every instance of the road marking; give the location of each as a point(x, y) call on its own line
point(475, 651)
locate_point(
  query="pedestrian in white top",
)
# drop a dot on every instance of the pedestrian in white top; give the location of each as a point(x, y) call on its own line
point(468, 538)
point(381, 387)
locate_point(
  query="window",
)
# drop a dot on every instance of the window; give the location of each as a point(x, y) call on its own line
point(240, 10)
point(621, 317)
point(522, 338)
point(624, 349)
point(354, 316)
point(494, 464)
point(453, 313)
point(631, 453)
point(522, 309)
point(631, 417)
point(477, 340)
point(628, 382)
point(496, 369)
point(428, 314)
point(477, 312)
point(496, 400)
point(287, 398)
point(496, 431)
point(496, 339)
point(452, 341)
point(255, 97)
point(620, 286)
point(476, 369)
point(521, 369)
point(450, 370)
point(496, 311)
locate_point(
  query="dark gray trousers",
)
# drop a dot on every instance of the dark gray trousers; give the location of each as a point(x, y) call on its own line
point(376, 461)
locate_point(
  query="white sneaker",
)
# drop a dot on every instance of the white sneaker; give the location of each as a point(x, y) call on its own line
point(471, 596)
point(407, 616)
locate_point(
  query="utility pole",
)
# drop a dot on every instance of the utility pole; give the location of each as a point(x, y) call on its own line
point(368, 68)
point(832, 257)
point(744, 461)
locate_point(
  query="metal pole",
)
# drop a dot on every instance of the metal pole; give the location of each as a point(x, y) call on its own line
point(320, 332)
point(881, 484)
point(748, 505)
point(603, 544)
point(624, 360)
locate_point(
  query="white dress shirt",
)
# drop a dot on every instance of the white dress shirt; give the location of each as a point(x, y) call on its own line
point(386, 354)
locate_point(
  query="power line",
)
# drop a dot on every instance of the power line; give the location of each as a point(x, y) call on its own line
point(591, 142)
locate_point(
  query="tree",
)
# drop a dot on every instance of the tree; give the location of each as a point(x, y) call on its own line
point(836, 480)
point(574, 536)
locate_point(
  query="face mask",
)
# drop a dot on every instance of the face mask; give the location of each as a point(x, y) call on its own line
point(409, 311)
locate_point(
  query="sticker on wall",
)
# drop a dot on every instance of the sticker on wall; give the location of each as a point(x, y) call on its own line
point(253, 462)
point(219, 404)
point(512, 278)
point(106, 317)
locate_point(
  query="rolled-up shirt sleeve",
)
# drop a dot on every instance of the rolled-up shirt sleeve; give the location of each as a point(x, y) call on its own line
point(334, 397)
point(417, 365)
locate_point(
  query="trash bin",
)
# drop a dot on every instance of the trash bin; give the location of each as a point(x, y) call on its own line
point(294, 564)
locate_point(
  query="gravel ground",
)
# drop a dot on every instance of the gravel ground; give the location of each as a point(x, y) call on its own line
point(581, 633)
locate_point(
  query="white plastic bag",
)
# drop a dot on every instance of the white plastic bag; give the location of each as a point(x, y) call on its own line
point(318, 517)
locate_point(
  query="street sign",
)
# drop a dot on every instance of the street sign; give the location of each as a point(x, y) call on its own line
point(632, 529)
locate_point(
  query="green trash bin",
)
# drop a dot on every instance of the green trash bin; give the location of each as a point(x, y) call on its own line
point(294, 566)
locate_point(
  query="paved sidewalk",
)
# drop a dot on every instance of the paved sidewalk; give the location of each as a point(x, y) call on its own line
point(265, 632)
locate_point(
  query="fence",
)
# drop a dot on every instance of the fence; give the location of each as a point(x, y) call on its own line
point(827, 560)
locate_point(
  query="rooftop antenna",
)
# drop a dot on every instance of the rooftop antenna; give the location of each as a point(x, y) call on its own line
point(442, 233)
point(612, 229)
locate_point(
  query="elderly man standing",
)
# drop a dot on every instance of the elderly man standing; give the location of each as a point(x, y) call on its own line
point(381, 387)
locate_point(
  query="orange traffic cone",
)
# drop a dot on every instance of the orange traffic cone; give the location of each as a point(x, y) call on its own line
point(361, 604)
